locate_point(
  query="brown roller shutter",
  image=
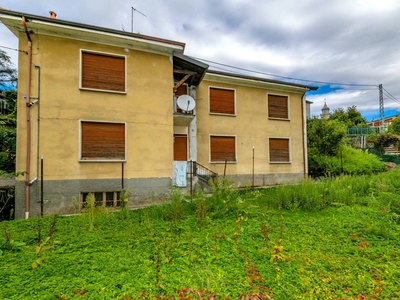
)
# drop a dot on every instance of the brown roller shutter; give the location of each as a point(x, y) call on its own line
point(278, 107)
point(103, 72)
point(180, 147)
point(182, 90)
point(279, 150)
point(222, 147)
point(222, 101)
point(103, 141)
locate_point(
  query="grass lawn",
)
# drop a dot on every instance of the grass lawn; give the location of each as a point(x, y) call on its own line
point(296, 242)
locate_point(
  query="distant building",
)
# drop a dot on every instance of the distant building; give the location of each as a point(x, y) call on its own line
point(308, 109)
point(386, 121)
point(325, 112)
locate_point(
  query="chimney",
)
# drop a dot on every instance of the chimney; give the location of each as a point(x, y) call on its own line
point(53, 15)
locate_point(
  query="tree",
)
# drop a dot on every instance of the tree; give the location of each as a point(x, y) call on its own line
point(351, 117)
point(8, 77)
point(325, 136)
point(8, 73)
point(394, 127)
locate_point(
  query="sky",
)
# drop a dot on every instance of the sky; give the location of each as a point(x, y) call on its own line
point(345, 47)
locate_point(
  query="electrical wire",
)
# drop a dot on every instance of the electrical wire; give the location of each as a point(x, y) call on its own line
point(390, 95)
point(279, 76)
point(14, 49)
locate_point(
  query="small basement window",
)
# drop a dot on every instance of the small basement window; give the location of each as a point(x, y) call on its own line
point(103, 72)
point(101, 141)
point(102, 199)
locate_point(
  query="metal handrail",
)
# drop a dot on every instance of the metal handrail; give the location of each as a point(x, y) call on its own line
point(199, 169)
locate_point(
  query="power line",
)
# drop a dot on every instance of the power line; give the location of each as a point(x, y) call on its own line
point(13, 49)
point(285, 77)
point(390, 95)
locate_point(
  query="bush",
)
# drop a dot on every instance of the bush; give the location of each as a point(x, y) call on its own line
point(350, 162)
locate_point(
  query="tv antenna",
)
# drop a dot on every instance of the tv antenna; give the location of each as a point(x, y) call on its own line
point(133, 12)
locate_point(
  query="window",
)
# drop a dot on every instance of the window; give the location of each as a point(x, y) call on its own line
point(279, 150)
point(102, 141)
point(180, 147)
point(223, 147)
point(278, 107)
point(222, 101)
point(105, 199)
point(103, 72)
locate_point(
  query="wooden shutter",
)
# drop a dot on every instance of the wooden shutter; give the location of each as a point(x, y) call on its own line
point(103, 72)
point(180, 147)
point(279, 150)
point(278, 107)
point(182, 90)
point(103, 141)
point(222, 147)
point(222, 101)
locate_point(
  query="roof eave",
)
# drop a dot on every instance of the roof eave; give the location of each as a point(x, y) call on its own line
point(257, 81)
point(72, 30)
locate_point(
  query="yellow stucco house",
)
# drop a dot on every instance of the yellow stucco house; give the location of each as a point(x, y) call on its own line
point(101, 109)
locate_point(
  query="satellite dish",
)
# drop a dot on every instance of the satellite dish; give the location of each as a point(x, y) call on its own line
point(186, 103)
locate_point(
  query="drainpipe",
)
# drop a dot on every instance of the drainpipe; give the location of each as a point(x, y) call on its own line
point(38, 128)
point(304, 132)
point(28, 119)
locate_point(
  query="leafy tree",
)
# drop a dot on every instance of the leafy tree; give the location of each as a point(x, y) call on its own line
point(8, 73)
point(8, 76)
point(8, 135)
point(350, 117)
point(394, 127)
point(325, 136)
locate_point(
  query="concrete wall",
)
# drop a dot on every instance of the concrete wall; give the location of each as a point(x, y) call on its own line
point(252, 128)
point(57, 194)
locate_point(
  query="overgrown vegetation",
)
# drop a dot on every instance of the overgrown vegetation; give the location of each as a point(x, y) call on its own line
point(328, 154)
point(336, 238)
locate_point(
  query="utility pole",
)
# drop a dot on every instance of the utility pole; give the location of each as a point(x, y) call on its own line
point(133, 11)
point(381, 109)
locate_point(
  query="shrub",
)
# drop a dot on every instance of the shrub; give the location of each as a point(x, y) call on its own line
point(350, 161)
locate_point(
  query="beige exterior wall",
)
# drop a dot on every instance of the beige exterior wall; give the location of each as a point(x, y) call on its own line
point(251, 127)
point(146, 108)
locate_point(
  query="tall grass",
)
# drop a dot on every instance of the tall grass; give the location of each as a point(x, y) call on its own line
point(379, 189)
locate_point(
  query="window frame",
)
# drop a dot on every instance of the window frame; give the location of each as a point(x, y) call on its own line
point(80, 159)
point(81, 87)
point(289, 161)
point(223, 161)
point(221, 113)
point(287, 103)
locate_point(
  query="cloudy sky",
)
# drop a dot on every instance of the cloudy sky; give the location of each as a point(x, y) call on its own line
point(346, 47)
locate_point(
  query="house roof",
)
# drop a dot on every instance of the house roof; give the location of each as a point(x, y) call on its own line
point(67, 29)
point(261, 80)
